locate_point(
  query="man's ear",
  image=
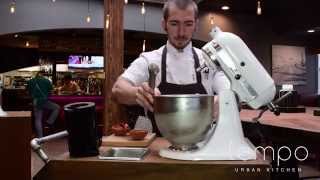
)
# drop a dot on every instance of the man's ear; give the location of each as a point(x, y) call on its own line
point(164, 25)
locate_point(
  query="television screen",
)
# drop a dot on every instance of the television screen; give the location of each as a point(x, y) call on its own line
point(78, 61)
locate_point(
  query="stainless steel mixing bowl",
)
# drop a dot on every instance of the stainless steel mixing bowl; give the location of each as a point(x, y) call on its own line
point(183, 120)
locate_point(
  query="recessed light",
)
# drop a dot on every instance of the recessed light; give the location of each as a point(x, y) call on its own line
point(225, 8)
point(311, 31)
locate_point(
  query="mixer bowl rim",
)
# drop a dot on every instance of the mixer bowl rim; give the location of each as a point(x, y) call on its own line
point(183, 95)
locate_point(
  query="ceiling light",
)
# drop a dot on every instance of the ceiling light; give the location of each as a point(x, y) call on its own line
point(143, 9)
point(311, 31)
point(225, 8)
point(126, 1)
point(53, 0)
point(13, 7)
point(259, 10)
point(212, 20)
point(27, 44)
point(88, 18)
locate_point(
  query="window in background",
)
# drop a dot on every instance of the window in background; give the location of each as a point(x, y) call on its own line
point(289, 65)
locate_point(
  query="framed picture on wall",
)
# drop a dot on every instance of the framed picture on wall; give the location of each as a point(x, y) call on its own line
point(289, 65)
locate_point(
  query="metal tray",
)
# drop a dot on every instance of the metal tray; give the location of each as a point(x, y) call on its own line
point(133, 154)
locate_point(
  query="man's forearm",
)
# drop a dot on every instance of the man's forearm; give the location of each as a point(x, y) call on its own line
point(124, 92)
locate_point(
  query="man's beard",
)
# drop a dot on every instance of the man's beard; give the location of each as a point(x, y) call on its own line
point(180, 45)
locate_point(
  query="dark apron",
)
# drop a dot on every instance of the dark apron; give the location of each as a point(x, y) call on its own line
point(169, 88)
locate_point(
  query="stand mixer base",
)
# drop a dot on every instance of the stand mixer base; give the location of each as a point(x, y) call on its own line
point(242, 152)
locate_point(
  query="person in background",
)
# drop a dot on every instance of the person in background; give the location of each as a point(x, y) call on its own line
point(39, 88)
point(2, 113)
point(177, 61)
point(69, 86)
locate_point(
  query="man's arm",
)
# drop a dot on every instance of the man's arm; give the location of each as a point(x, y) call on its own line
point(124, 91)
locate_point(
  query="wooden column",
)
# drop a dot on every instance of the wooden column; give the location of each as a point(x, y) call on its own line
point(113, 53)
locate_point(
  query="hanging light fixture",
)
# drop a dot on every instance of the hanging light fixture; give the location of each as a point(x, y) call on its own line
point(144, 46)
point(107, 21)
point(13, 7)
point(126, 1)
point(212, 20)
point(143, 9)
point(259, 10)
point(88, 18)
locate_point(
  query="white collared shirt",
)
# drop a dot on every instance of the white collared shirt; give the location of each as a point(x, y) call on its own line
point(180, 69)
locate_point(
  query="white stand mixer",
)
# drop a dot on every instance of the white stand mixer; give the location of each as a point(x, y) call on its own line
point(253, 85)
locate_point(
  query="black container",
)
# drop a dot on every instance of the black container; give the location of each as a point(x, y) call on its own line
point(81, 125)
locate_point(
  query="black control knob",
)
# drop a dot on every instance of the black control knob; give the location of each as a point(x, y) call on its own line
point(237, 76)
point(276, 112)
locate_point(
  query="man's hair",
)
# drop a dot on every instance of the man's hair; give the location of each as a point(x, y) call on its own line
point(181, 4)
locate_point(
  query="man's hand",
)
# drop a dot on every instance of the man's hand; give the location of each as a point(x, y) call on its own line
point(144, 96)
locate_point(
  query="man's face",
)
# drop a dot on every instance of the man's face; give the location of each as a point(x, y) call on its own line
point(180, 26)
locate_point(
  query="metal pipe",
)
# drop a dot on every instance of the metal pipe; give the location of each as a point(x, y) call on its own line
point(36, 144)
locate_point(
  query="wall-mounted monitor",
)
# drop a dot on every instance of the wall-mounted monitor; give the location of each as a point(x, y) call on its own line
point(79, 61)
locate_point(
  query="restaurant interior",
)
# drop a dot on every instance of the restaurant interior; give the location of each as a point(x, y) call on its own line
point(43, 35)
